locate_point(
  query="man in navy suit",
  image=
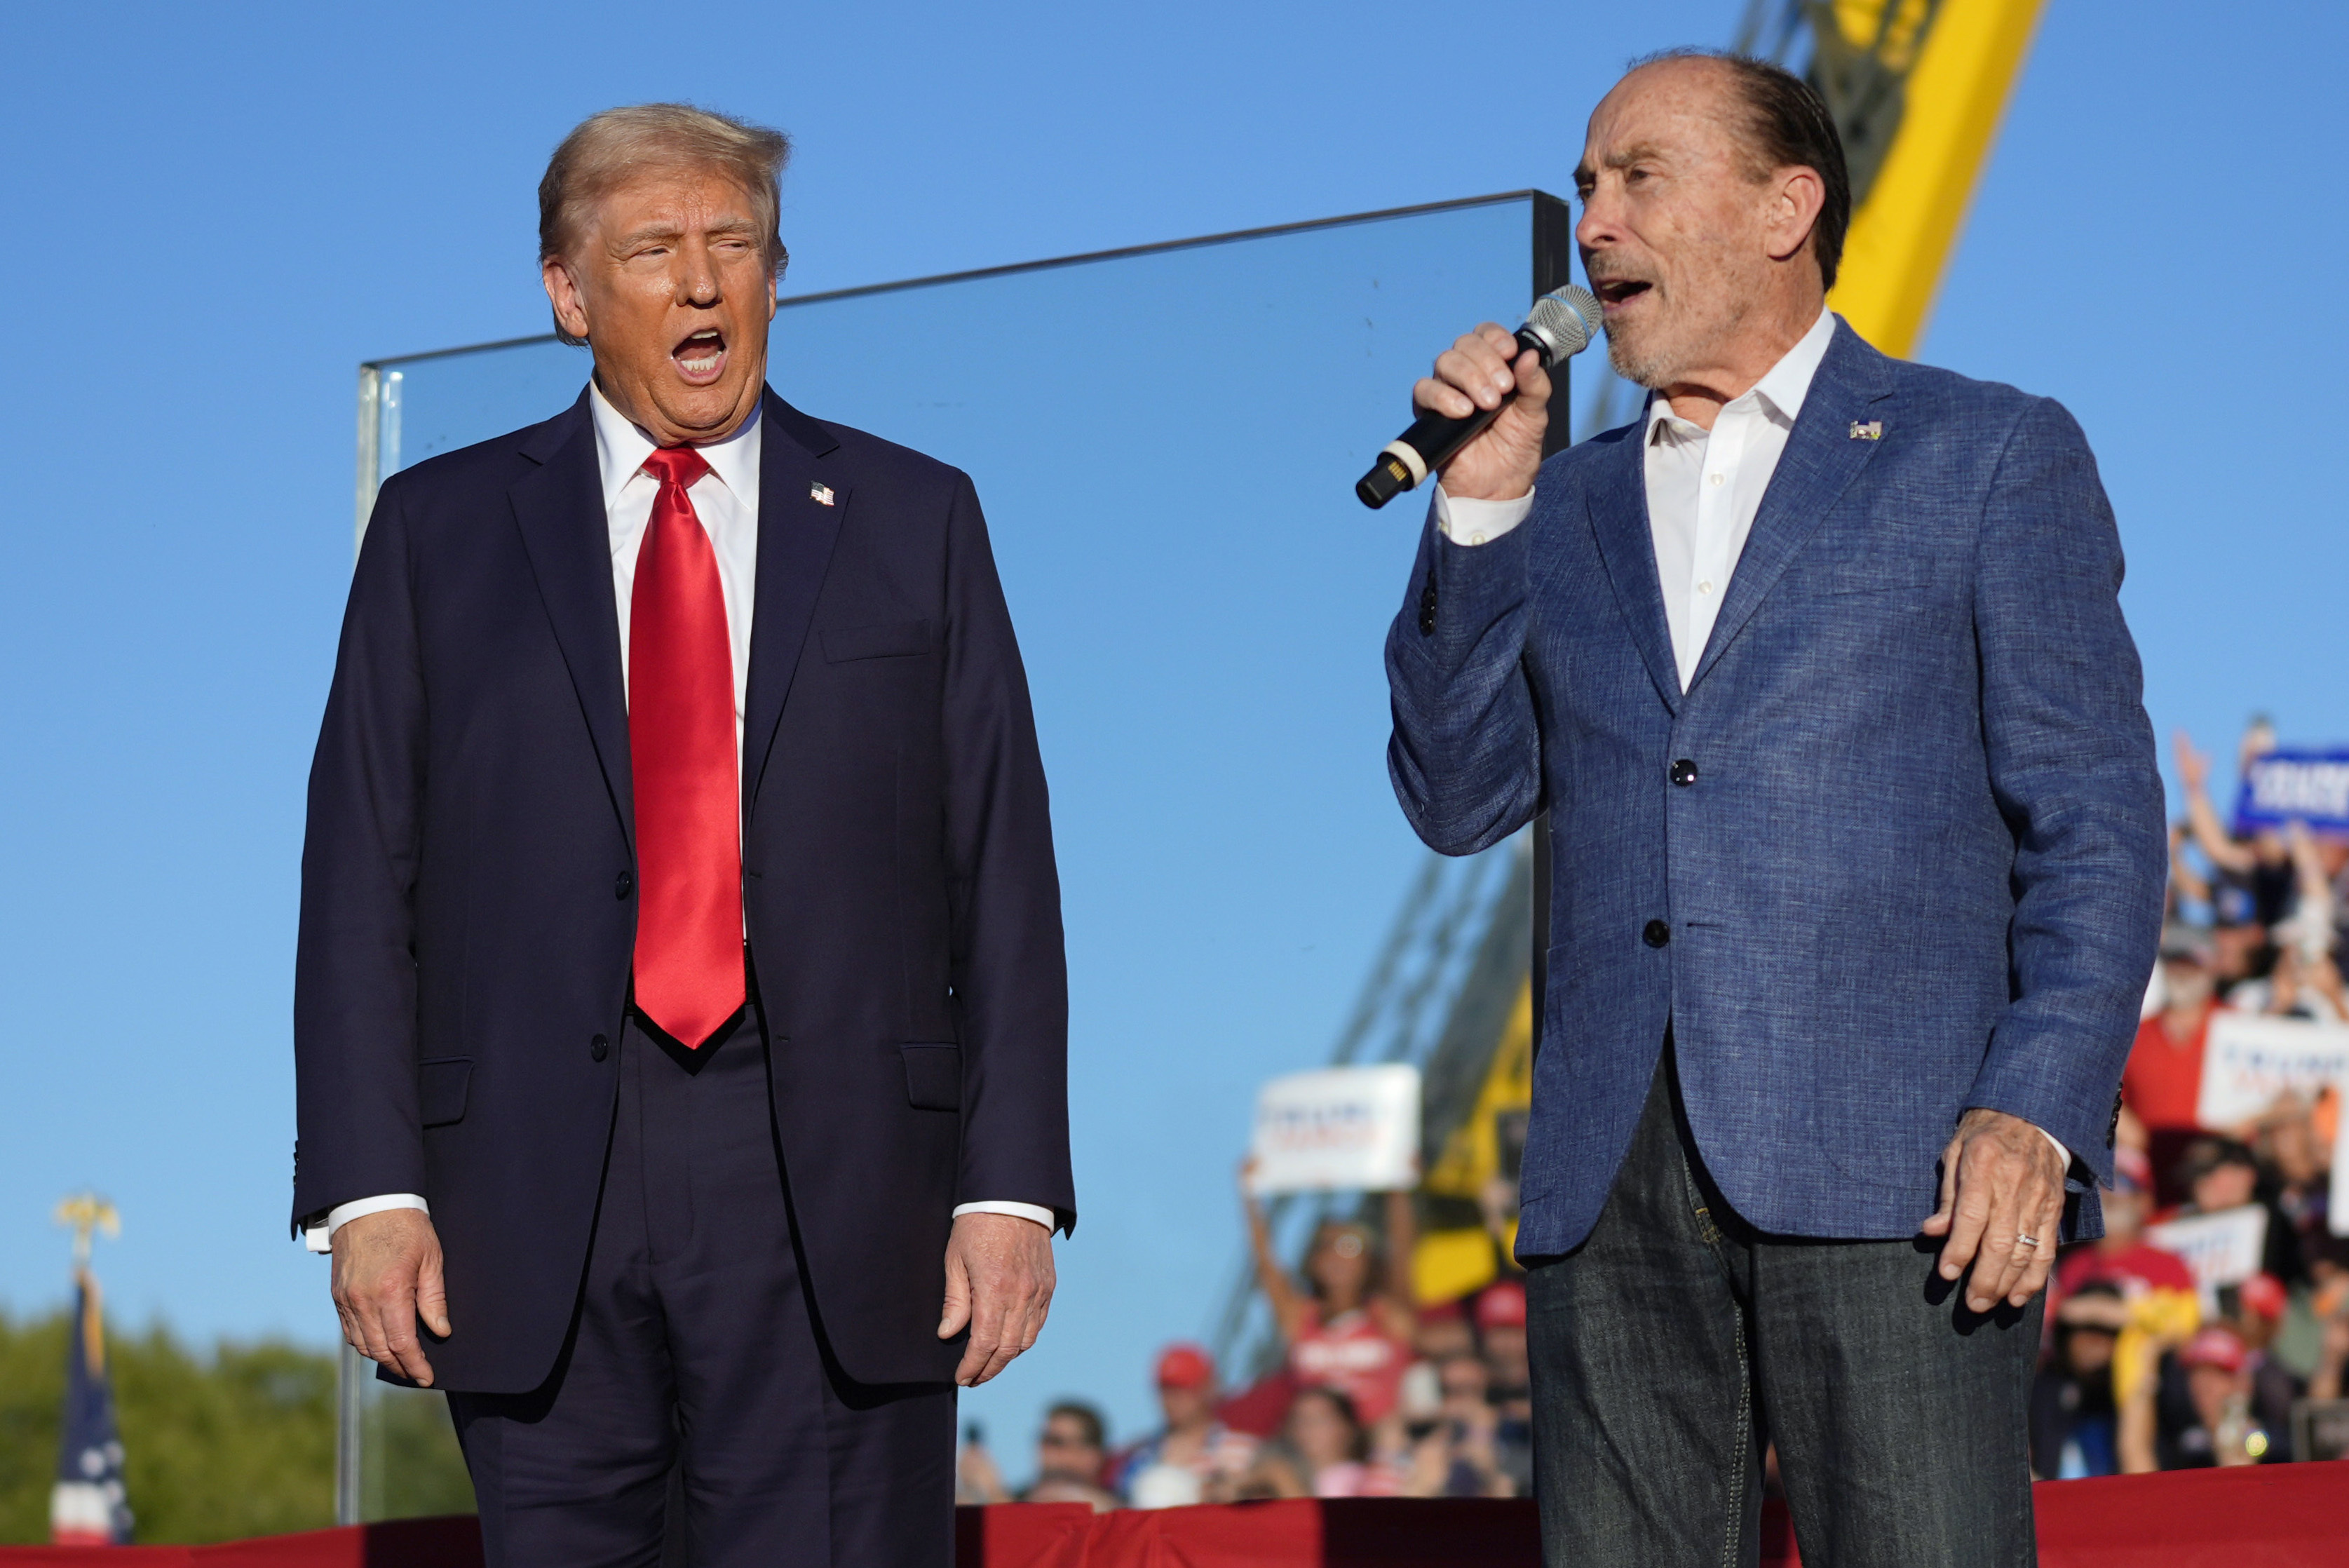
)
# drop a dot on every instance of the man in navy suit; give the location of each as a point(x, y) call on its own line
point(1818, 671)
point(680, 1014)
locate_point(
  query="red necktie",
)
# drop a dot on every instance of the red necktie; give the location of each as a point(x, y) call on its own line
point(681, 750)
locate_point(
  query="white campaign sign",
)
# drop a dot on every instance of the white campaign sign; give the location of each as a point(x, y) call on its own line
point(2251, 1060)
point(2336, 1205)
point(2221, 1248)
point(1341, 1129)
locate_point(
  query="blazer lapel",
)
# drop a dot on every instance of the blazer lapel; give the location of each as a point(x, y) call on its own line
point(796, 534)
point(1821, 460)
point(1618, 501)
point(560, 510)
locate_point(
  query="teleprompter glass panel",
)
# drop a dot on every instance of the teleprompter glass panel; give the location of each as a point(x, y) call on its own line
point(1165, 443)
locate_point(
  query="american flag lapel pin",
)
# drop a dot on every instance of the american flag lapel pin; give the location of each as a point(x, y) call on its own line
point(822, 493)
point(1867, 429)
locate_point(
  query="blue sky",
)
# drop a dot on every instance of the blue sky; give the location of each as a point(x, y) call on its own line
point(219, 215)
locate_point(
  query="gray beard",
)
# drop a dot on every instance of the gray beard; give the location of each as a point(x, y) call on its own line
point(1638, 370)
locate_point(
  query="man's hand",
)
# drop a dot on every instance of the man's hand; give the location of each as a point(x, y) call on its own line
point(1476, 372)
point(387, 1275)
point(999, 1283)
point(2000, 1182)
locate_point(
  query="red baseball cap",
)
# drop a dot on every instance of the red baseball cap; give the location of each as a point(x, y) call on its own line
point(1502, 1305)
point(2264, 1294)
point(1185, 1366)
point(2216, 1347)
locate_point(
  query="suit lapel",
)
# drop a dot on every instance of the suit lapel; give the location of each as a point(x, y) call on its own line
point(560, 510)
point(1618, 501)
point(796, 534)
point(1819, 464)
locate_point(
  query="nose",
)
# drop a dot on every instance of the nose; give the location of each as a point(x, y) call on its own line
point(697, 283)
point(1600, 224)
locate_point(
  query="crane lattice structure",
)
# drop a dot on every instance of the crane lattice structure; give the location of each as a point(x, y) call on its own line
point(1452, 965)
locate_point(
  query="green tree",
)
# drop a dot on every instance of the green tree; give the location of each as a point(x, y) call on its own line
point(236, 1442)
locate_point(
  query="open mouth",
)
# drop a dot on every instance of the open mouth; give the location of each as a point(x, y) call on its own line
point(701, 357)
point(1615, 292)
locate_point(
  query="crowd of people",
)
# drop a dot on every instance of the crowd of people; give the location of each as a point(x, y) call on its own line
point(1372, 1395)
point(2145, 1366)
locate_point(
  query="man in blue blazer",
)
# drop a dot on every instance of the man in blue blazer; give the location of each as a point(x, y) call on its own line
point(1818, 673)
point(680, 1013)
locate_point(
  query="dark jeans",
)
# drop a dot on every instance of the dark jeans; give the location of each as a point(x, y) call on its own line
point(1673, 1347)
point(694, 1352)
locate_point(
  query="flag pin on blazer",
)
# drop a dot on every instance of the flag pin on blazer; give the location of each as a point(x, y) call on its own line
point(822, 493)
point(1867, 429)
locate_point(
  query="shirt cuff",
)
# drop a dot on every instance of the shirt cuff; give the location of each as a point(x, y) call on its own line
point(1043, 1217)
point(319, 1236)
point(1472, 523)
point(2061, 1152)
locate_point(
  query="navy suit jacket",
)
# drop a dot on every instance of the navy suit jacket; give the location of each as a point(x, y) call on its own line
point(468, 914)
point(1920, 867)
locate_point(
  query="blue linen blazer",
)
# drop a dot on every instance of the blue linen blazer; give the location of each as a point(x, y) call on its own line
point(1920, 867)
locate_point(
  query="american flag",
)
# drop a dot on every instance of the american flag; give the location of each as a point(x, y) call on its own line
point(89, 1506)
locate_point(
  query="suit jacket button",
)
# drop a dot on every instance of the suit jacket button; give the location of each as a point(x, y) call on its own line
point(1685, 773)
point(623, 884)
point(598, 1048)
point(1656, 935)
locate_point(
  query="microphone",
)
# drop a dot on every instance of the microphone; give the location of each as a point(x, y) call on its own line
point(1560, 325)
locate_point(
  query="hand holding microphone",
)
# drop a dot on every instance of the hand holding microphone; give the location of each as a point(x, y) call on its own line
point(1485, 410)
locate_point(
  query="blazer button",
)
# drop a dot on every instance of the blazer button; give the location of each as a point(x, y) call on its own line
point(1685, 773)
point(599, 1048)
point(1656, 935)
point(623, 884)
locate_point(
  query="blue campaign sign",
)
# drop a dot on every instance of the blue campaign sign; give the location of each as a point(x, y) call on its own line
point(2296, 783)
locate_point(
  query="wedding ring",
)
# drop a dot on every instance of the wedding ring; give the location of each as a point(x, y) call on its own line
point(2024, 1239)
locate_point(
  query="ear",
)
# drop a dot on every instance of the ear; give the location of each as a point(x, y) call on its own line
point(563, 293)
point(1795, 197)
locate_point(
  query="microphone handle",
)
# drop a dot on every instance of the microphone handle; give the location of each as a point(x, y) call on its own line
point(1431, 443)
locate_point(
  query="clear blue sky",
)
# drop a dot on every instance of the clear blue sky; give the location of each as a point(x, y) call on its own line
point(220, 214)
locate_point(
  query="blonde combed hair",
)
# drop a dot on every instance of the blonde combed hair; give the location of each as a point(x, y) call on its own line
point(606, 151)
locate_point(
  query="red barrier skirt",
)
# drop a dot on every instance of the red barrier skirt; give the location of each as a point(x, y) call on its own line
point(2270, 1516)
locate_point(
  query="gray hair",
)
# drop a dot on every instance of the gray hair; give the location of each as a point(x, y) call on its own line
point(607, 150)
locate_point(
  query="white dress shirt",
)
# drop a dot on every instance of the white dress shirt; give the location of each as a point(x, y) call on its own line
point(1704, 490)
point(726, 499)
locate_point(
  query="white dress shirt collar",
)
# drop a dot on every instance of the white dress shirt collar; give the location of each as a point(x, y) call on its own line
point(1779, 393)
point(622, 446)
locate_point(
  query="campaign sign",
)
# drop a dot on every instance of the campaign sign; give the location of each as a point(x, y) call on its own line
point(2337, 1204)
point(2251, 1060)
point(1341, 1129)
point(2296, 783)
point(2221, 1248)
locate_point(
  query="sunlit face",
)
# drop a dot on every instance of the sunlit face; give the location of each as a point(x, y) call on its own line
point(669, 284)
point(1184, 1407)
point(2186, 982)
point(1319, 1430)
point(2228, 1186)
point(2088, 1351)
point(1064, 1450)
point(2210, 1388)
point(1675, 231)
point(1339, 1264)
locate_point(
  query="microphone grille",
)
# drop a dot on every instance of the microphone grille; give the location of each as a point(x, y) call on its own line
point(1568, 317)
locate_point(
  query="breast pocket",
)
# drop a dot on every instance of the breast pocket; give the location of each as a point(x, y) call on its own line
point(1915, 579)
point(886, 639)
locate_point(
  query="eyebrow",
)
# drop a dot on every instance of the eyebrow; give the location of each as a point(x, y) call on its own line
point(663, 231)
point(1639, 152)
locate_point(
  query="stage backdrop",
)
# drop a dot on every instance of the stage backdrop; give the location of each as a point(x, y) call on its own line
point(1165, 442)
